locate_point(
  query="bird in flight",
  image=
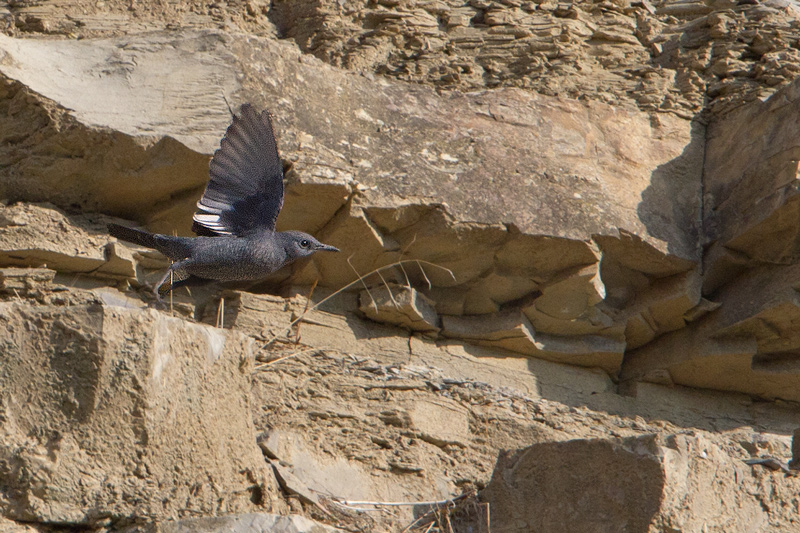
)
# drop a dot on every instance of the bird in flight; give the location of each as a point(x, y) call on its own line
point(235, 219)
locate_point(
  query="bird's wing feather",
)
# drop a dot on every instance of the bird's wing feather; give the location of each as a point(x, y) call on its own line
point(245, 189)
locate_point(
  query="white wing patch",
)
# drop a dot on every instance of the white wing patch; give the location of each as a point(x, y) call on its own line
point(211, 221)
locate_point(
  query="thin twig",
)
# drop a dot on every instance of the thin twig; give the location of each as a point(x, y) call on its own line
point(430, 286)
point(221, 313)
point(229, 105)
point(436, 511)
point(447, 519)
point(305, 309)
point(359, 509)
point(414, 523)
point(388, 289)
point(408, 281)
point(285, 357)
point(404, 504)
point(407, 246)
point(361, 279)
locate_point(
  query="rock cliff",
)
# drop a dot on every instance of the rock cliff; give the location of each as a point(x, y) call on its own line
point(584, 218)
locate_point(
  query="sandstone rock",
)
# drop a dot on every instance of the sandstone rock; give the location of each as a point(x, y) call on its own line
point(21, 280)
point(246, 523)
point(44, 236)
point(581, 151)
point(440, 422)
point(315, 474)
point(749, 340)
point(111, 413)
point(645, 483)
point(260, 316)
point(513, 331)
point(292, 485)
point(751, 187)
point(519, 247)
point(402, 306)
point(9, 526)
point(662, 308)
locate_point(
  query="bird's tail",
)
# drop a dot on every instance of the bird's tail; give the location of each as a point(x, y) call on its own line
point(136, 236)
point(173, 247)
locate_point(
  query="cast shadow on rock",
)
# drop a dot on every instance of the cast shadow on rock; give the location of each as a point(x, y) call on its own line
point(671, 206)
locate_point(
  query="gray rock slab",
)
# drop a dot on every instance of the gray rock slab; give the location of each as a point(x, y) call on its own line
point(247, 523)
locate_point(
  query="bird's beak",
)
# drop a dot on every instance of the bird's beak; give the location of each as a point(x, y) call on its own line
point(327, 248)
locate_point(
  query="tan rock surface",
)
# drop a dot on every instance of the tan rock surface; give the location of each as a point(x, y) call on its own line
point(569, 222)
point(112, 414)
point(745, 340)
point(440, 145)
point(679, 482)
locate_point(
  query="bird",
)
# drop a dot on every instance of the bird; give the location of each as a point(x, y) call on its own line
point(235, 217)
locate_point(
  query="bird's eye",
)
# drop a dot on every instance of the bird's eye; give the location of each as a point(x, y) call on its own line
point(304, 243)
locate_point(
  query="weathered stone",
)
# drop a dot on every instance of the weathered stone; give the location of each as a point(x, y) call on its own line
point(661, 308)
point(44, 236)
point(261, 316)
point(751, 186)
point(21, 280)
point(513, 331)
point(401, 306)
point(311, 201)
point(315, 473)
point(441, 422)
point(582, 146)
point(291, 484)
point(9, 526)
point(678, 481)
point(749, 344)
point(571, 297)
point(111, 413)
point(246, 523)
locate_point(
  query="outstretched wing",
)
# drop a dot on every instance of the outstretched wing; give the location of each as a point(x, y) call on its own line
point(245, 189)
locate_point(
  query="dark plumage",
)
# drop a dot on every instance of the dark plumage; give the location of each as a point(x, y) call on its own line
point(236, 214)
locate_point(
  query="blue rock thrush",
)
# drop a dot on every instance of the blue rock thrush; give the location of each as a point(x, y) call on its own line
point(236, 215)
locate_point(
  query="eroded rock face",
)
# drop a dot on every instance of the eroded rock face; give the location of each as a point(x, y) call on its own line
point(543, 244)
point(749, 343)
point(667, 56)
point(547, 218)
point(112, 414)
point(391, 137)
point(678, 482)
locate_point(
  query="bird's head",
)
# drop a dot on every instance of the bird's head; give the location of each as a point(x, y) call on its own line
point(298, 244)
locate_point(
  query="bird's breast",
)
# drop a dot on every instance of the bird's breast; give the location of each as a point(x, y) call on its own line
point(235, 258)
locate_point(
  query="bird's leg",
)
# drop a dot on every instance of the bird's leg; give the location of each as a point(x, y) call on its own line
point(172, 268)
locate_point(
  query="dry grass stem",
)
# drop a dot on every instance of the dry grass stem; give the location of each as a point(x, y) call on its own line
point(361, 279)
point(439, 516)
point(220, 313)
point(171, 281)
point(418, 262)
point(305, 310)
point(262, 366)
point(387, 289)
point(399, 504)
